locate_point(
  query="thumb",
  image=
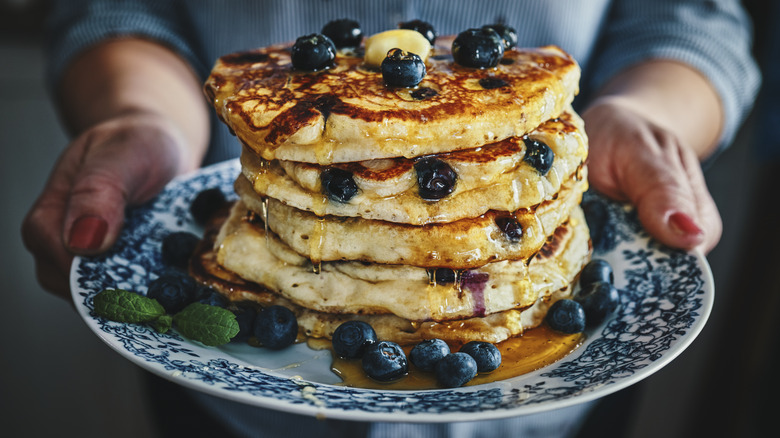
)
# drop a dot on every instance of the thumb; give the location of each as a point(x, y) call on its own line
point(122, 166)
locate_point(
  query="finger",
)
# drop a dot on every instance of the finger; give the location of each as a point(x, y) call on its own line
point(52, 279)
point(658, 185)
point(52, 261)
point(42, 226)
point(708, 214)
point(127, 168)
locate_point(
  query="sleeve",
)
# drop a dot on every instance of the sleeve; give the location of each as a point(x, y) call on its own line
point(712, 36)
point(75, 25)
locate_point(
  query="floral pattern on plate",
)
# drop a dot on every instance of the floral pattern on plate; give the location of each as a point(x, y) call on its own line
point(666, 297)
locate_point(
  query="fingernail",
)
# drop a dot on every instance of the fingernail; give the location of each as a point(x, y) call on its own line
point(683, 225)
point(88, 232)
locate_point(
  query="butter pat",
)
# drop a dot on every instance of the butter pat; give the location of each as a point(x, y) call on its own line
point(407, 40)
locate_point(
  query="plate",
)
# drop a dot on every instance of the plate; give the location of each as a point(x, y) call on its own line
point(666, 297)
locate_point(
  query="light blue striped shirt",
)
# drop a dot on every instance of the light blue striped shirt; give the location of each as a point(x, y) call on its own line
point(605, 36)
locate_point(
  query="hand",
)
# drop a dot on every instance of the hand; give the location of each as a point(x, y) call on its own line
point(118, 163)
point(636, 160)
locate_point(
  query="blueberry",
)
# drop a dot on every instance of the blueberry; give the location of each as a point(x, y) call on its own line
point(485, 354)
point(385, 361)
point(276, 327)
point(343, 32)
point(566, 316)
point(508, 34)
point(338, 184)
point(174, 290)
point(435, 178)
point(211, 297)
point(538, 155)
point(423, 27)
point(510, 227)
point(596, 270)
point(427, 353)
point(402, 69)
point(602, 233)
point(478, 48)
point(351, 339)
point(598, 300)
point(206, 204)
point(422, 93)
point(491, 83)
point(245, 316)
point(456, 369)
point(313, 52)
point(177, 248)
point(444, 275)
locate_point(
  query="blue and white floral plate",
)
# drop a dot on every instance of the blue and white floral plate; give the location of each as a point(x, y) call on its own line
point(666, 299)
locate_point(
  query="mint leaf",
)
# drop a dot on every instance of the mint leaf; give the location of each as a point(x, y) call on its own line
point(210, 325)
point(125, 306)
point(162, 324)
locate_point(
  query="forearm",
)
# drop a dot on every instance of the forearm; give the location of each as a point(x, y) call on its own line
point(138, 79)
point(673, 96)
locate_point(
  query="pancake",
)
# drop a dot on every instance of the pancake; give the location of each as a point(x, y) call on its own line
point(492, 177)
point(463, 244)
point(346, 113)
point(492, 328)
point(353, 287)
point(481, 257)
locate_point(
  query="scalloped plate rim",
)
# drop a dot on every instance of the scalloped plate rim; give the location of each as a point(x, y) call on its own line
point(312, 408)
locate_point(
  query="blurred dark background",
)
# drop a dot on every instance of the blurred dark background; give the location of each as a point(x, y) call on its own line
point(58, 379)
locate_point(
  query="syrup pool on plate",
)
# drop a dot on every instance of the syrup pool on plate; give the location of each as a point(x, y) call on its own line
point(533, 350)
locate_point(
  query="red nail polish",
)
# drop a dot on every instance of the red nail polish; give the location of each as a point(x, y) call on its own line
point(682, 224)
point(88, 232)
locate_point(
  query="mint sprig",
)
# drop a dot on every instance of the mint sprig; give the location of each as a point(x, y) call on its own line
point(162, 324)
point(210, 325)
point(124, 306)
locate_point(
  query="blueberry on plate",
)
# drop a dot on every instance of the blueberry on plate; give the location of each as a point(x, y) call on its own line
point(427, 353)
point(603, 233)
point(245, 316)
point(385, 361)
point(566, 316)
point(485, 354)
point(209, 296)
point(402, 69)
point(177, 248)
point(510, 227)
point(313, 52)
point(423, 27)
point(344, 32)
point(435, 178)
point(595, 271)
point(338, 184)
point(478, 48)
point(351, 339)
point(276, 327)
point(508, 34)
point(538, 155)
point(598, 300)
point(455, 370)
point(206, 204)
point(174, 290)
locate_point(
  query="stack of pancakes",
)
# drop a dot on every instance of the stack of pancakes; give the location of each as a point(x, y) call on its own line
point(483, 262)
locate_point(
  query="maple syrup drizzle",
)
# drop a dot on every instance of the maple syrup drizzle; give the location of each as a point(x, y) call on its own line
point(316, 242)
point(523, 354)
point(265, 220)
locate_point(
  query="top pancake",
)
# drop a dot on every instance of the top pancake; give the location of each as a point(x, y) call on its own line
point(346, 113)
